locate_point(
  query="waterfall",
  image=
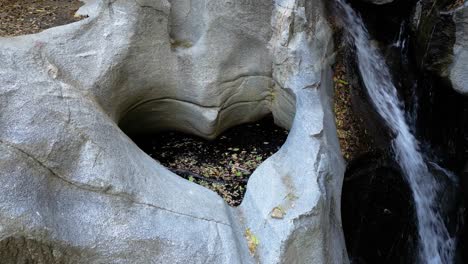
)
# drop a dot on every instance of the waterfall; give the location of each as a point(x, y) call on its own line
point(435, 243)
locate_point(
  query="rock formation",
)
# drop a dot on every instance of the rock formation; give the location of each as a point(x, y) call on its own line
point(378, 2)
point(441, 39)
point(459, 67)
point(76, 189)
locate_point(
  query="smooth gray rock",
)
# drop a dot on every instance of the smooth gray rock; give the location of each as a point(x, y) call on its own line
point(76, 189)
point(459, 69)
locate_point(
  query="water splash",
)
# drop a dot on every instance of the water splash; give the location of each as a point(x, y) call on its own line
point(435, 244)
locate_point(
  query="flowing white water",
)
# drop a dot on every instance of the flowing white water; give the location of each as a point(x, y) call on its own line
point(401, 41)
point(435, 243)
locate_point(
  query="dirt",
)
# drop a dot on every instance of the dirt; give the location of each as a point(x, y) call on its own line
point(21, 17)
point(223, 165)
point(28, 250)
point(455, 4)
point(352, 135)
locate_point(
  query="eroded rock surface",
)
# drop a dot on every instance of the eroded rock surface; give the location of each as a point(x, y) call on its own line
point(441, 40)
point(73, 182)
point(459, 67)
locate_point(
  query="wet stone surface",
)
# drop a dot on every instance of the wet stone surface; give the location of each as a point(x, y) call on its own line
point(378, 213)
point(223, 165)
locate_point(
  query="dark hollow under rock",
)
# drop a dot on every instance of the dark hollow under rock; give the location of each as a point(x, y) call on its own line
point(377, 212)
point(223, 165)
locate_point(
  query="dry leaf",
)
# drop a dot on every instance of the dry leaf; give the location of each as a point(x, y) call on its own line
point(252, 241)
point(277, 213)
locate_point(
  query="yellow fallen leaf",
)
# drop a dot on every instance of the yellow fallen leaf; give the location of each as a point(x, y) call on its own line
point(277, 213)
point(252, 241)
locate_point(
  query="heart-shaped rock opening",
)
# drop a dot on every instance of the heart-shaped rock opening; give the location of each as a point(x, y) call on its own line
point(224, 164)
point(186, 137)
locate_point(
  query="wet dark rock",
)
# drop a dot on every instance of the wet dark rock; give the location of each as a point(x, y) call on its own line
point(378, 2)
point(434, 36)
point(377, 211)
point(354, 138)
point(442, 110)
point(379, 132)
point(384, 21)
point(385, 230)
point(463, 245)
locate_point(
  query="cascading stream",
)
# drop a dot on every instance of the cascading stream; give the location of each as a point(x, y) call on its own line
point(435, 243)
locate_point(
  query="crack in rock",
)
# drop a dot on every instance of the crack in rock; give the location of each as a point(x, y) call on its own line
point(104, 191)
